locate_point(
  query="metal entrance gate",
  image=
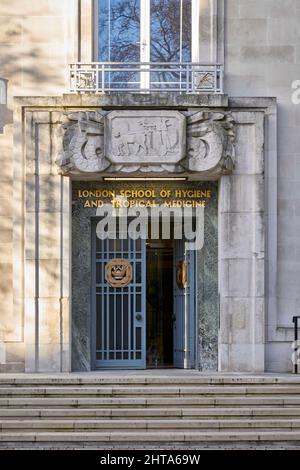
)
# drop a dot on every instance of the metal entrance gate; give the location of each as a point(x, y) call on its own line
point(119, 323)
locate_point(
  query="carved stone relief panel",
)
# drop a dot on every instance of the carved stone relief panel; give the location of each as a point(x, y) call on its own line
point(147, 141)
point(154, 139)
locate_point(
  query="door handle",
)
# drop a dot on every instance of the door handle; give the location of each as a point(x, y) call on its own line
point(138, 316)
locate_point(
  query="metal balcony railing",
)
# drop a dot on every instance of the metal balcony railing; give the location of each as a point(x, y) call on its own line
point(142, 77)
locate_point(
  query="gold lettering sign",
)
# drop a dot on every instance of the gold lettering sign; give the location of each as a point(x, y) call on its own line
point(118, 272)
point(120, 197)
point(181, 274)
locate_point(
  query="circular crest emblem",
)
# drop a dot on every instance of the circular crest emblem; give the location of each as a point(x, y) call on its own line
point(118, 272)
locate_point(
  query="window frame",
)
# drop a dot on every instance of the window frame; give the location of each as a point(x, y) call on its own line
point(145, 30)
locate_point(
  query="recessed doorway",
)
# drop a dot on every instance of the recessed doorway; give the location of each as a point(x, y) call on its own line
point(159, 303)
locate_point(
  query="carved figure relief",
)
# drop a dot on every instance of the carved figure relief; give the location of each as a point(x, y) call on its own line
point(144, 138)
point(118, 272)
point(149, 139)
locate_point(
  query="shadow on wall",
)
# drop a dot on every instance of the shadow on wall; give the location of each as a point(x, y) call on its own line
point(32, 67)
point(28, 67)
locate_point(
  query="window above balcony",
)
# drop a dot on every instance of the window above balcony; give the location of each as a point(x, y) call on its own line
point(152, 46)
point(144, 30)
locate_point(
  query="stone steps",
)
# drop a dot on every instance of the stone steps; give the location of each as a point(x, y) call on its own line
point(60, 425)
point(134, 402)
point(153, 413)
point(147, 391)
point(148, 436)
point(159, 380)
point(153, 408)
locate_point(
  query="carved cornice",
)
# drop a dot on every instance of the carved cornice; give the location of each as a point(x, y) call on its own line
point(153, 141)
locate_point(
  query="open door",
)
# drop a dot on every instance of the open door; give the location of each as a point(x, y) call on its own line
point(184, 305)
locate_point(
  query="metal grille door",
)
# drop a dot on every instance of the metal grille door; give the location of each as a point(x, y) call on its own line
point(119, 336)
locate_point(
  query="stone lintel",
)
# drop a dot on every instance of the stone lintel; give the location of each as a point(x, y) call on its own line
point(126, 100)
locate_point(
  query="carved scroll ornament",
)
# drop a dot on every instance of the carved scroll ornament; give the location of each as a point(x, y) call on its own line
point(83, 144)
point(210, 147)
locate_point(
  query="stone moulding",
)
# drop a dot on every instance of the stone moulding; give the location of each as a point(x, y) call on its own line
point(147, 141)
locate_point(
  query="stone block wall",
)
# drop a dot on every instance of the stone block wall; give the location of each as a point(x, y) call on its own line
point(262, 58)
point(37, 41)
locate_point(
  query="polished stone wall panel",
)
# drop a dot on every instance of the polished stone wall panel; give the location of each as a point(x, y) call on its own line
point(207, 313)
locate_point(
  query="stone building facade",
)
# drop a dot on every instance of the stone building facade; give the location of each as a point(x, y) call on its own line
point(232, 133)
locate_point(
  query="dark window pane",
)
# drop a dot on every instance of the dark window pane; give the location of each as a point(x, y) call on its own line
point(138, 244)
point(118, 322)
point(125, 321)
point(138, 272)
point(111, 322)
point(98, 273)
point(111, 244)
point(138, 337)
point(125, 244)
point(118, 245)
point(99, 314)
point(138, 304)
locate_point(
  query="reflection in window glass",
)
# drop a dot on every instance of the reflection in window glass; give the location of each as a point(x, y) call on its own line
point(119, 39)
point(119, 31)
point(170, 31)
